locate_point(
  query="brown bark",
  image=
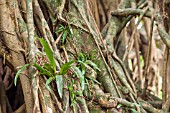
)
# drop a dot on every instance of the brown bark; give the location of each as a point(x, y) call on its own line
point(9, 36)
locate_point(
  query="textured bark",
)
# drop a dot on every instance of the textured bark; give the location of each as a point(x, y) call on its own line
point(8, 35)
point(87, 30)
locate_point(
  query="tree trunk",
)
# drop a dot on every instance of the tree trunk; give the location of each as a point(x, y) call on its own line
point(84, 56)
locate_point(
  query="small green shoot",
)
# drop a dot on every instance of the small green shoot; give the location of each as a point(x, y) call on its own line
point(19, 72)
point(66, 31)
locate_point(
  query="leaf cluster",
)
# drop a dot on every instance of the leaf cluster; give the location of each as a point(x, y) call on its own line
point(49, 69)
point(66, 31)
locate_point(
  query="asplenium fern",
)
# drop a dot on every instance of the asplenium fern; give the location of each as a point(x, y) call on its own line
point(49, 69)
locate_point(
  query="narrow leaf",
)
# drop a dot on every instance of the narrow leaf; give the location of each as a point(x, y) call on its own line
point(59, 30)
point(83, 63)
point(19, 72)
point(65, 67)
point(134, 111)
point(47, 84)
point(43, 70)
point(94, 80)
point(61, 26)
point(64, 36)
point(80, 99)
point(118, 106)
point(71, 30)
point(83, 68)
point(80, 75)
point(77, 93)
point(59, 81)
point(48, 67)
point(49, 53)
point(92, 64)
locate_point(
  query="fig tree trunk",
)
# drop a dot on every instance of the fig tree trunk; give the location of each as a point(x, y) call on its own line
point(84, 56)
